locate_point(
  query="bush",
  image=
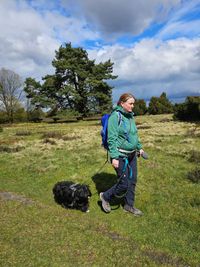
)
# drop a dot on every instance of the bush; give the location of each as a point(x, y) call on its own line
point(8, 149)
point(23, 133)
point(35, 115)
point(188, 111)
point(49, 141)
point(69, 138)
point(194, 175)
point(67, 114)
point(160, 105)
point(143, 126)
point(194, 156)
point(140, 107)
point(55, 135)
point(20, 115)
point(165, 120)
point(3, 117)
point(194, 132)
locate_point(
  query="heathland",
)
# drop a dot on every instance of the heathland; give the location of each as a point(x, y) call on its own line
point(35, 231)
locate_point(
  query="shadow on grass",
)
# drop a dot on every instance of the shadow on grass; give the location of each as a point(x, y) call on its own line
point(103, 181)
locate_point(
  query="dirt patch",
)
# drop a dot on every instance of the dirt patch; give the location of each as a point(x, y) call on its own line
point(159, 258)
point(162, 258)
point(15, 197)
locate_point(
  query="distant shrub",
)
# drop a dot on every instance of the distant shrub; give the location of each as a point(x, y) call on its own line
point(194, 175)
point(143, 126)
point(58, 135)
point(3, 117)
point(195, 202)
point(160, 105)
point(165, 120)
point(69, 138)
point(55, 135)
point(5, 148)
point(49, 141)
point(189, 110)
point(67, 115)
point(194, 132)
point(8, 149)
point(194, 156)
point(140, 107)
point(20, 115)
point(35, 115)
point(23, 133)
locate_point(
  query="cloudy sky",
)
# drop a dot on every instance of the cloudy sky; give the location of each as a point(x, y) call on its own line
point(154, 44)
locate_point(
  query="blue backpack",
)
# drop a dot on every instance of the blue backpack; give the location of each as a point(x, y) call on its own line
point(104, 130)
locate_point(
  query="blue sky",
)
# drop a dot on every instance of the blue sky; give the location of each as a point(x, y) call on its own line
point(154, 44)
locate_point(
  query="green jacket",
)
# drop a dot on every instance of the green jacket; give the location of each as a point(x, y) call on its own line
point(117, 133)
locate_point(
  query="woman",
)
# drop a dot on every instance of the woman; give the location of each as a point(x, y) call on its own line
point(123, 146)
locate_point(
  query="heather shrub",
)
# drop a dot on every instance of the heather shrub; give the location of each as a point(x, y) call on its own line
point(194, 175)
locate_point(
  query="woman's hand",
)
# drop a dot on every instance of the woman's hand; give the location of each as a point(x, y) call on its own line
point(141, 151)
point(115, 163)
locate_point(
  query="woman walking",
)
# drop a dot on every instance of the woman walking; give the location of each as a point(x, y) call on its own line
point(123, 146)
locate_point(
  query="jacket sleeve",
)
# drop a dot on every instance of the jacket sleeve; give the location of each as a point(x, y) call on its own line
point(113, 133)
point(139, 145)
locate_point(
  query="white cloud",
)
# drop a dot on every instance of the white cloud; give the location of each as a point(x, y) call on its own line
point(115, 17)
point(26, 43)
point(184, 22)
point(180, 28)
point(29, 37)
point(153, 66)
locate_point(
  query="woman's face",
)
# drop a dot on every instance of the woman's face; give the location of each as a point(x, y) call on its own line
point(128, 105)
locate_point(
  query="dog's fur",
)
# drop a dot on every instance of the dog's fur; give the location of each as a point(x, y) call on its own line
point(72, 196)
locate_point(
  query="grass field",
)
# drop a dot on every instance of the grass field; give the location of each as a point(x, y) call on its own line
point(35, 231)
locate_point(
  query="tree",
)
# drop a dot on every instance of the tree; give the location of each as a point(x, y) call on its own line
point(78, 83)
point(100, 95)
point(140, 107)
point(160, 105)
point(20, 113)
point(10, 91)
point(35, 115)
point(32, 89)
point(189, 110)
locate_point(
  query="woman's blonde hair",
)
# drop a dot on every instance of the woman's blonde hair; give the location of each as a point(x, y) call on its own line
point(123, 98)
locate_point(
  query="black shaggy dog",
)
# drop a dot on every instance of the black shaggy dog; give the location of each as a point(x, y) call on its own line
point(72, 196)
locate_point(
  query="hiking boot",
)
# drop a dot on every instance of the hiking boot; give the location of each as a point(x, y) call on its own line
point(105, 205)
point(133, 210)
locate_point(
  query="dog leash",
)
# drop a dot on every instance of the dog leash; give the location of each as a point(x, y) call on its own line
point(124, 169)
point(97, 172)
point(145, 156)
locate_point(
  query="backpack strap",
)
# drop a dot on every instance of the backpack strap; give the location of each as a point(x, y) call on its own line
point(120, 120)
point(119, 117)
point(119, 123)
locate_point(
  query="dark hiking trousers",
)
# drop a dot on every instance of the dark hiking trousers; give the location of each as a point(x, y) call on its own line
point(125, 187)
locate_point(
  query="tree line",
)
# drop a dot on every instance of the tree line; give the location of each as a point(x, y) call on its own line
point(78, 88)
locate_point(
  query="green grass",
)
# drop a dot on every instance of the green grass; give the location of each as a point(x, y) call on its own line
point(35, 231)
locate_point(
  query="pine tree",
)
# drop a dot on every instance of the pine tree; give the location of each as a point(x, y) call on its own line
point(78, 83)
